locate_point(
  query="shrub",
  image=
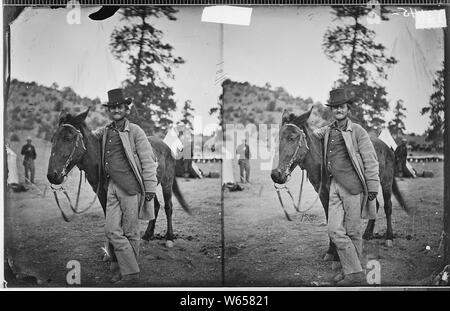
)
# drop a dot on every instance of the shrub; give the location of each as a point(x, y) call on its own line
point(58, 106)
point(14, 137)
point(27, 125)
point(271, 106)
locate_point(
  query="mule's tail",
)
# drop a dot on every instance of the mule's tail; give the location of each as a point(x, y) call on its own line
point(179, 196)
point(398, 195)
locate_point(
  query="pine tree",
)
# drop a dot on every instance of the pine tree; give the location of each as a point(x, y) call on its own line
point(140, 46)
point(396, 126)
point(362, 63)
point(435, 130)
point(187, 114)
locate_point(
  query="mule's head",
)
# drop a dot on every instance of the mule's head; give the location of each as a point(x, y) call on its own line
point(67, 147)
point(293, 145)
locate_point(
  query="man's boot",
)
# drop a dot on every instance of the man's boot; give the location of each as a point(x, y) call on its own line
point(353, 279)
point(115, 270)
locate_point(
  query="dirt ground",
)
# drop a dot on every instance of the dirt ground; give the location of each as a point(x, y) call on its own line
point(41, 243)
point(263, 248)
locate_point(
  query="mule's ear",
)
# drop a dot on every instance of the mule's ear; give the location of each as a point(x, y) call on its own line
point(285, 117)
point(62, 116)
point(301, 120)
point(82, 116)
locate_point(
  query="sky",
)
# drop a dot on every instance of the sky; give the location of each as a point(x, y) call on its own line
point(282, 46)
point(46, 49)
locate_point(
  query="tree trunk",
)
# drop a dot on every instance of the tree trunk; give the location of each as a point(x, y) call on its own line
point(141, 46)
point(352, 55)
point(447, 139)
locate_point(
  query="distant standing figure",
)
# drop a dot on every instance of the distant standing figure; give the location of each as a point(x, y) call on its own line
point(243, 152)
point(29, 154)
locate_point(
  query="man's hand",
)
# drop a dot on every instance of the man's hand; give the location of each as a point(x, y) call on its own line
point(372, 195)
point(149, 196)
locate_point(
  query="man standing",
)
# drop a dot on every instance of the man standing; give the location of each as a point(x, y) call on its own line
point(243, 152)
point(29, 154)
point(351, 166)
point(130, 168)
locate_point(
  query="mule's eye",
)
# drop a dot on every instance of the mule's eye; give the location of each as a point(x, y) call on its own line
point(67, 138)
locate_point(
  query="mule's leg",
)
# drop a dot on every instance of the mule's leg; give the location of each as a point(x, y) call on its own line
point(331, 254)
point(368, 234)
point(149, 233)
point(388, 211)
point(167, 192)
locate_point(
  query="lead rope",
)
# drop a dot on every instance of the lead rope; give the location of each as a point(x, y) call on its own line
point(278, 189)
point(73, 208)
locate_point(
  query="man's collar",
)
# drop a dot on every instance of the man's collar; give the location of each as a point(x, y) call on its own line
point(126, 126)
point(348, 126)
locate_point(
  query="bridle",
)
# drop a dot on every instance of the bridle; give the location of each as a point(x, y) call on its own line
point(79, 142)
point(294, 156)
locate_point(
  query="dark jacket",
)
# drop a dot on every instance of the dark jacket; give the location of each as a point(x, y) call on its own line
point(28, 152)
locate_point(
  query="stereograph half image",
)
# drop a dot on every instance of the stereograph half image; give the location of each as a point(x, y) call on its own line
point(75, 80)
point(293, 74)
point(148, 146)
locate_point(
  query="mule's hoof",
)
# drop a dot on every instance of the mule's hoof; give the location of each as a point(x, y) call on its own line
point(169, 244)
point(328, 257)
point(368, 236)
point(389, 243)
point(147, 237)
point(336, 265)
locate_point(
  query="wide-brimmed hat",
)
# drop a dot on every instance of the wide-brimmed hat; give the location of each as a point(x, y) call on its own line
point(341, 96)
point(115, 97)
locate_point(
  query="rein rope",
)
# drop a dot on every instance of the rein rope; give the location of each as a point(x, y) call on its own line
point(65, 172)
point(278, 189)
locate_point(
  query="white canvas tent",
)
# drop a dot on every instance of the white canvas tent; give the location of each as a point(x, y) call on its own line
point(174, 143)
point(196, 170)
point(13, 173)
point(387, 138)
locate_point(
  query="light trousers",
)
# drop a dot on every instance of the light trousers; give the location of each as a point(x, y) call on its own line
point(345, 226)
point(122, 227)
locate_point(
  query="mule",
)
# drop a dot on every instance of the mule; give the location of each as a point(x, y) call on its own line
point(74, 144)
point(299, 146)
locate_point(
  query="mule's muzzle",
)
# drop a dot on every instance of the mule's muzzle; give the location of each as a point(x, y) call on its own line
point(278, 176)
point(55, 178)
